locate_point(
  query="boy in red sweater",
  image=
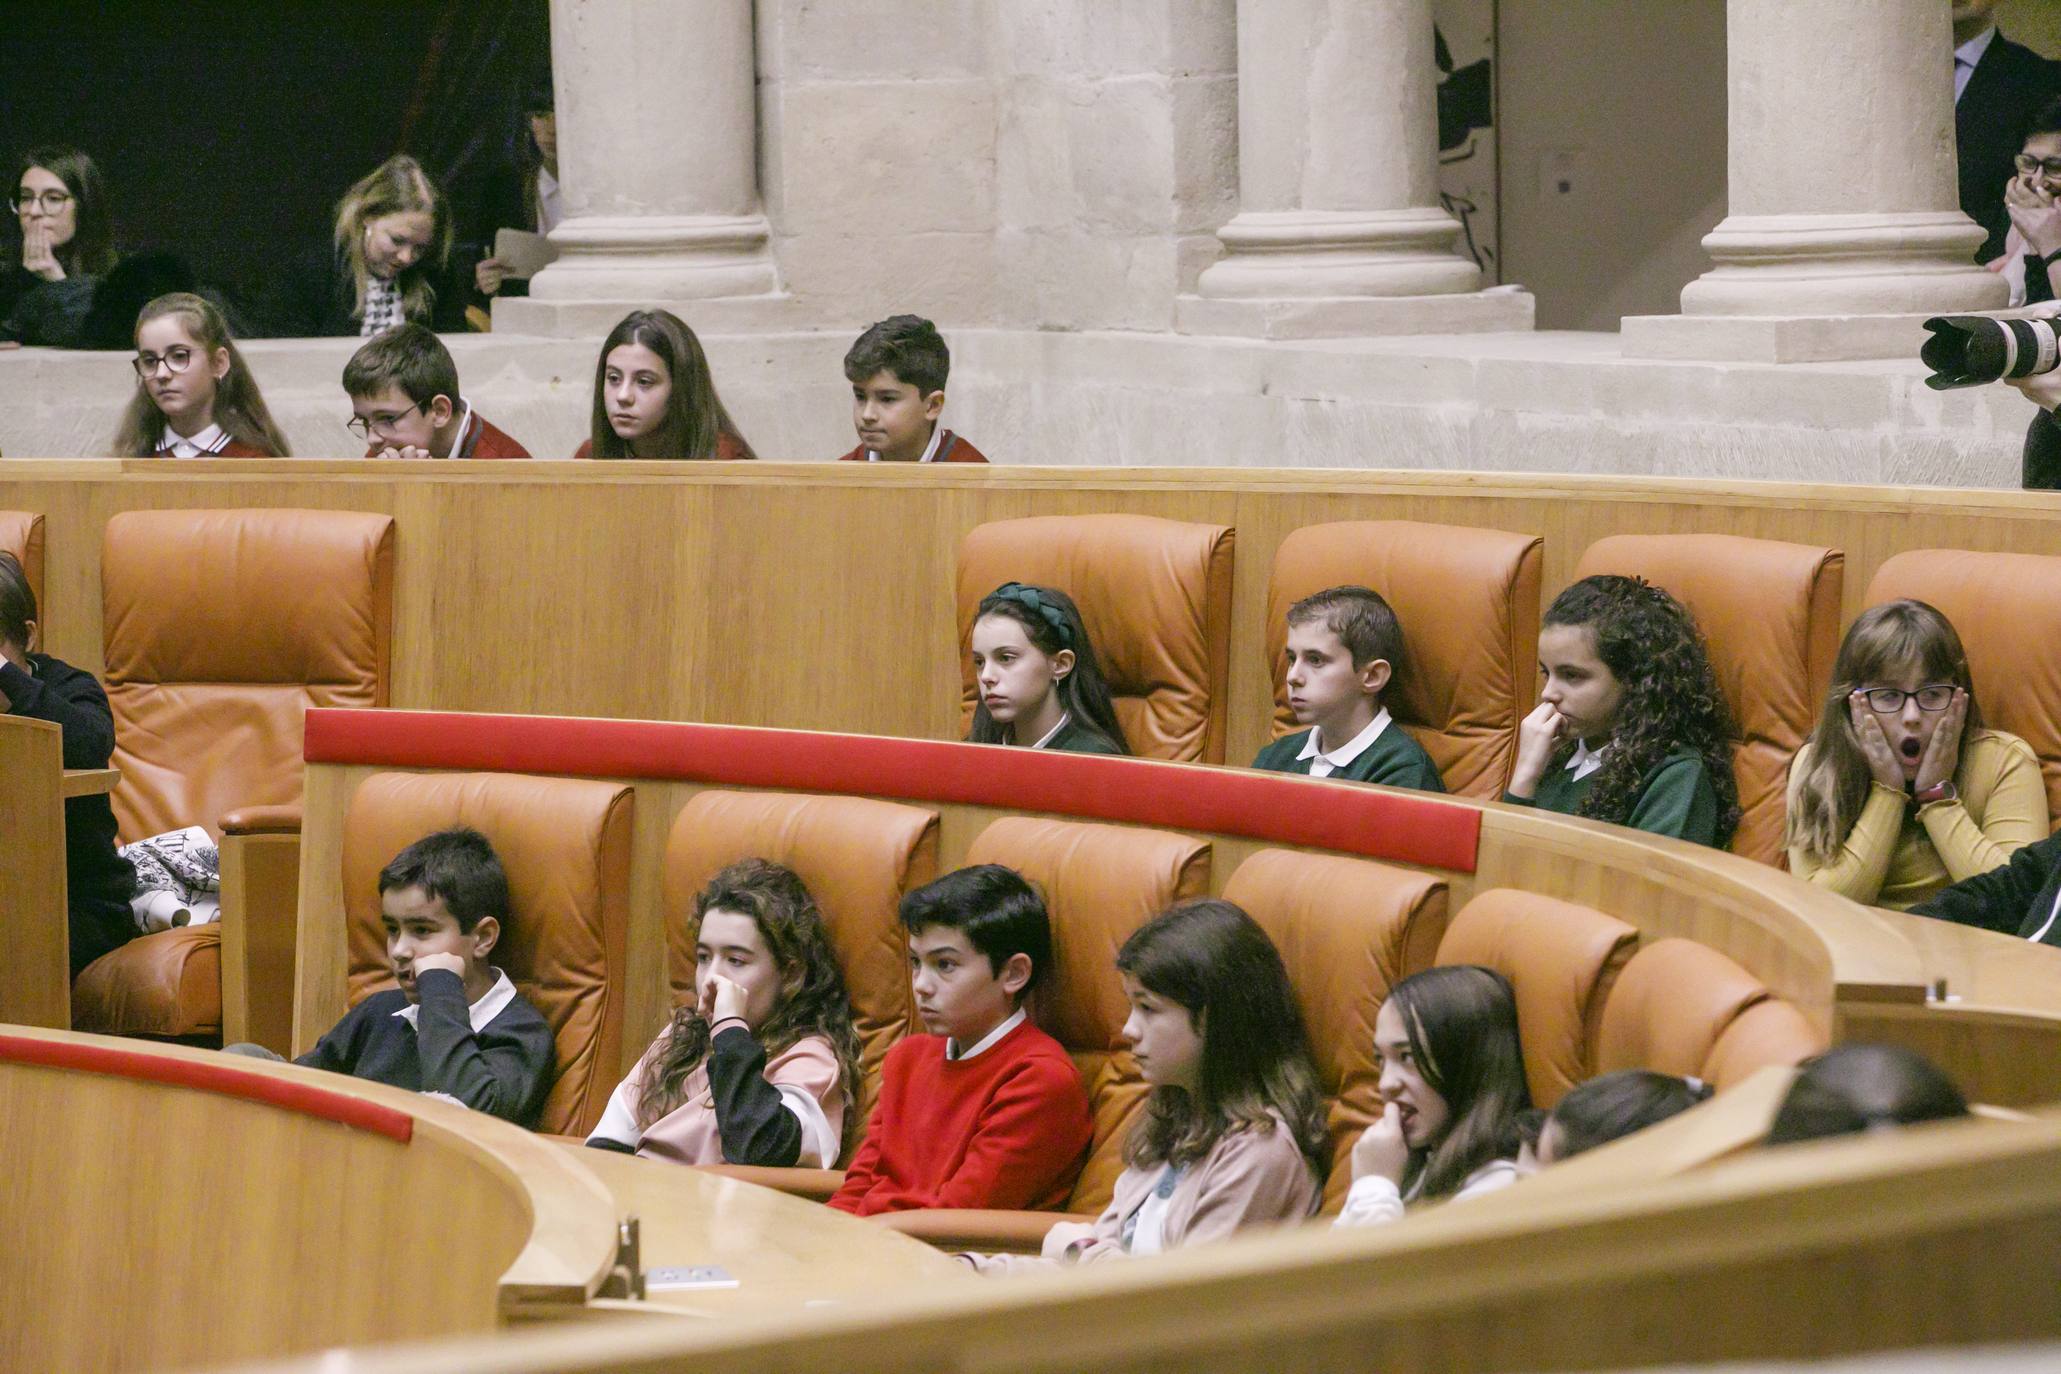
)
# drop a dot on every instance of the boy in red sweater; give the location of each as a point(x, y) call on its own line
point(986, 1110)
point(897, 369)
point(403, 386)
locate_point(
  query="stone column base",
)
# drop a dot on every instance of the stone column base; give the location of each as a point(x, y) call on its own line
point(1501, 309)
point(1775, 338)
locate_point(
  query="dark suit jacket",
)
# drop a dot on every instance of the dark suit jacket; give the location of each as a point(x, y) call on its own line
point(2008, 86)
point(313, 299)
point(2013, 900)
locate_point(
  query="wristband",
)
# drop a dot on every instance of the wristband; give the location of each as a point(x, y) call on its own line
point(1938, 792)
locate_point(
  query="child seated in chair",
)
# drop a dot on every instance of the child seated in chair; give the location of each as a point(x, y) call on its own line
point(1344, 650)
point(455, 1026)
point(986, 1110)
point(760, 1067)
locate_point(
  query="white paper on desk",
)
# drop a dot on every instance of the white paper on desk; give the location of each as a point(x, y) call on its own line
point(674, 1278)
point(524, 253)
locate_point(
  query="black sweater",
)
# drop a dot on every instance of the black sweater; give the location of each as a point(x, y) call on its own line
point(100, 880)
point(2016, 899)
point(504, 1069)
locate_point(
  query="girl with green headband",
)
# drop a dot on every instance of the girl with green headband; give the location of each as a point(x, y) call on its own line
point(1040, 685)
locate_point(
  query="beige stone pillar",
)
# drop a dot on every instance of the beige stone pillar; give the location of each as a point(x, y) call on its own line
point(1339, 229)
point(1844, 225)
point(658, 160)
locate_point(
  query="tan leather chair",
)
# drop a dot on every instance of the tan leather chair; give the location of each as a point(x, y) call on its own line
point(1156, 598)
point(21, 534)
point(566, 847)
point(1561, 959)
point(1100, 883)
point(2007, 610)
point(1468, 601)
point(1683, 1008)
point(1347, 929)
point(857, 856)
point(1770, 617)
point(222, 627)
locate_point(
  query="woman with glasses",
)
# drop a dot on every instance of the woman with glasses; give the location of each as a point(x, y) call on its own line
point(66, 243)
point(2032, 198)
point(195, 396)
point(1900, 790)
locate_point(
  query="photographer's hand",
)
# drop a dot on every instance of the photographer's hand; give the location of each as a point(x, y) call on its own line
point(2043, 390)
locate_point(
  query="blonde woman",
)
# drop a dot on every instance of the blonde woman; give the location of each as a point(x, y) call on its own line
point(386, 267)
point(1900, 790)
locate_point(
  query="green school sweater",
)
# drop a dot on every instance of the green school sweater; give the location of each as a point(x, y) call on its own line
point(1393, 758)
point(1676, 798)
point(1075, 738)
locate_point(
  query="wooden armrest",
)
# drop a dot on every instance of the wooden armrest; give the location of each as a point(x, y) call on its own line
point(262, 820)
point(817, 1185)
point(87, 782)
point(971, 1228)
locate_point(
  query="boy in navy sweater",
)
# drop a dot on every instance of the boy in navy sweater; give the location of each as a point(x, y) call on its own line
point(456, 1025)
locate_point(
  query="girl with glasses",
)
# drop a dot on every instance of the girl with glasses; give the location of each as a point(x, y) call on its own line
point(195, 396)
point(1900, 790)
point(65, 244)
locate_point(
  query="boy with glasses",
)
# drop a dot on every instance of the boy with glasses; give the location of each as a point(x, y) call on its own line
point(403, 387)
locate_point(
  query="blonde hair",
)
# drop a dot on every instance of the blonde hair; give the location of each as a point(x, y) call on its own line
point(1885, 642)
point(239, 408)
point(397, 186)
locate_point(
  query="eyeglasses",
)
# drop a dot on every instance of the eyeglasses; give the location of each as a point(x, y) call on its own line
point(363, 426)
point(21, 202)
point(1889, 700)
point(2028, 164)
point(175, 360)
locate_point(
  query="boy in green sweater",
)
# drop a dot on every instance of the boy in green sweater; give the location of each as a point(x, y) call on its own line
point(1344, 648)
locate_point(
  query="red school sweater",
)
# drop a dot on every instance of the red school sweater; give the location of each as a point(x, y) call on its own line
point(952, 448)
point(1006, 1128)
point(728, 450)
point(480, 440)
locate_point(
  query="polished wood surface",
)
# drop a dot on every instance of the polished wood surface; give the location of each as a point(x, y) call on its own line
point(87, 782)
point(786, 1254)
point(551, 587)
point(260, 916)
point(35, 977)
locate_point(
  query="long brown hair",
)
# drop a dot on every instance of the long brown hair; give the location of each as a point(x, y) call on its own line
point(694, 417)
point(1461, 1021)
point(1052, 622)
point(91, 249)
point(1212, 959)
point(812, 994)
point(239, 408)
point(397, 186)
point(1884, 643)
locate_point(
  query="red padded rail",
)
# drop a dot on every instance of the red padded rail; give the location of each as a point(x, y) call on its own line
point(1399, 826)
point(225, 1079)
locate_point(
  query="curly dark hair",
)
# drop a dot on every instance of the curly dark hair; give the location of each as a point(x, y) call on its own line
point(1651, 645)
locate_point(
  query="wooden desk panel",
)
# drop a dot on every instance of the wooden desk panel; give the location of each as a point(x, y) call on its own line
point(35, 977)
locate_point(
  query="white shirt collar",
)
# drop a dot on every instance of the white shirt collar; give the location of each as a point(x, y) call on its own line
point(490, 1005)
point(986, 1042)
point(1053, 733)
point(937, 435)
point(1967, 56)
point(1586, 760)
point(1345, 753)
point(209, 441)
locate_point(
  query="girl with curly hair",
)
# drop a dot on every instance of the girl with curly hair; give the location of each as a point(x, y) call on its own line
point(1630, 727)
point(1900, 790)
point(762, 1065)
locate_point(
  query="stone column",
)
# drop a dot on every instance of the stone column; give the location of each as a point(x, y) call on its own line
point(1844, 226)
point(1339, 229)
point(658, 160)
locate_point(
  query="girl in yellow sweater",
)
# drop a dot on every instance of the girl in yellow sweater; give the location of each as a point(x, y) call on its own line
point(1900, 790)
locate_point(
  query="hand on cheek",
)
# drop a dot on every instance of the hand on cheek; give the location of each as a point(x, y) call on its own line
point(1943, 753)
point(1381, 1151)
point(450, 962)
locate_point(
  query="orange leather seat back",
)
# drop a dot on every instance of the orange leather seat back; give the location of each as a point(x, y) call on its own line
point(1561, 959)
point(2007, 609)
point(1673, 1004)
point(1100, 883)
point(1770, 617)
point(1468, 602)
point(222, 628)
point(565, 845)
point(857, 857)
point(21, 534)
point(1156, 598)
point(1770, 1032)
point(1347, 930)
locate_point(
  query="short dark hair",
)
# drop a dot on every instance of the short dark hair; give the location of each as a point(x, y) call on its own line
point(409, 356)
point(17, 602)
point(457, 867)
point(2045, 119)
point(1361, 620)
point(1002, 915)
point(909, 346)
point(1854, 1088)
point(1617, 1104)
